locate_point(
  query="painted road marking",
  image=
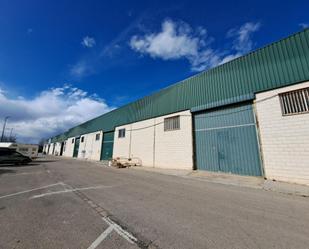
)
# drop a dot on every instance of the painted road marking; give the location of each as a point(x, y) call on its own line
point(101, 238)
point(30, 190)
point(113, 227)
point(123, 233)
point(24, 173)
point(69, 191)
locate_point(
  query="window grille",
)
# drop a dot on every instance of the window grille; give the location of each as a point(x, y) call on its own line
point(97, 137)
point(172, 123)
point(295, 102)
point(121, 133)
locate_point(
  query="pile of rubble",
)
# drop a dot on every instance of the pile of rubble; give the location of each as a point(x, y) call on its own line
point(123, 162)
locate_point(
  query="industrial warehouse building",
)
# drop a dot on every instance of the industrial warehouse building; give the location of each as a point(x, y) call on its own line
point(249, 116)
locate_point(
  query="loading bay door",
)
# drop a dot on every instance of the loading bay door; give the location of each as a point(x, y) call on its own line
point(76, 147)
point(107, 146)
point(226, 140)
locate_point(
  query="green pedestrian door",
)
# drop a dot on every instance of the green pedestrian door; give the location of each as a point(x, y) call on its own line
point(107, 146)
point(226, 140)
point(76, 147)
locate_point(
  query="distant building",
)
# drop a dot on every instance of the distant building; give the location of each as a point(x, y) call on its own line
point(30, 150)
point(249, 116)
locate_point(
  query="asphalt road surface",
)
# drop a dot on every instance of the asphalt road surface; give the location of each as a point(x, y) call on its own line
point(74, 204)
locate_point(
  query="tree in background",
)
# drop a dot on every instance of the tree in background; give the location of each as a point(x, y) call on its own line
point(9, 139)
point(41, 144)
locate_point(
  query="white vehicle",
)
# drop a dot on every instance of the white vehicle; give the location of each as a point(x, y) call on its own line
point(30, 150)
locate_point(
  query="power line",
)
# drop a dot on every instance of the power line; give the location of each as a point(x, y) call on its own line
point(210, 116)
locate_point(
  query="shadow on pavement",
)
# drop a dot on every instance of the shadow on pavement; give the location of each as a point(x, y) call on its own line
point(33, 163)
point(42, 161)
point(7, 171)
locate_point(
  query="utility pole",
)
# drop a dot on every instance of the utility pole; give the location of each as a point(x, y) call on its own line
point(4, 124)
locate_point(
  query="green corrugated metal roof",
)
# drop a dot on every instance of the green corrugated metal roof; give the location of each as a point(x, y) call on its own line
point(279, 64)
point(223, 102)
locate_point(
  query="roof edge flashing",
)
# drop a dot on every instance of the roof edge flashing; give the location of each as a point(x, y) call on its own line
point(238, 99)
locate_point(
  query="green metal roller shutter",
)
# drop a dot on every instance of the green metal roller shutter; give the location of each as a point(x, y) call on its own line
point(226, 140)
point(76, 147)
point(107, 146)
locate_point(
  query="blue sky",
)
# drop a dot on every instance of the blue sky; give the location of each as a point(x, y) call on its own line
point(59, 59)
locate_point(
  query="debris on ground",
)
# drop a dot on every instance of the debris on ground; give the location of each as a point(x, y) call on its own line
point(123, 162)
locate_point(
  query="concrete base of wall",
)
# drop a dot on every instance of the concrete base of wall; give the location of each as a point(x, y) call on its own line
point(235, 180)
point(286, 188)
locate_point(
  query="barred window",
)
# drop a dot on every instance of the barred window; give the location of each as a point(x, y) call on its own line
point(172, 123)
point(97, 137)
point(295, 102)
point(121, 133)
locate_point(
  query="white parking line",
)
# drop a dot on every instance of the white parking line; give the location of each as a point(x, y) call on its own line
point(101, 238)
point(68, 191)
point(113, 227)
point(30, 190)
point(123, 233)
point(24, 173)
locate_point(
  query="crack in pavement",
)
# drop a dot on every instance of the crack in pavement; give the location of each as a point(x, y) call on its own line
point(141, 243)
point(114, 224)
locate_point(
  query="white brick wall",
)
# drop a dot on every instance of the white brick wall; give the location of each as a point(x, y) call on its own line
point(57, 149)
point(50, 148)
point(142, 141)
point(90, 148)
point(122, 145)
point(284, 139)
point(69, 147)
point(156, 147)
point(174, 148)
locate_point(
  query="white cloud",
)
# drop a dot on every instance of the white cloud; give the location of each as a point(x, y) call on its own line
point(110, 55)
point(88, 42)
point(172, 42)
point(242, 36)
point(304, 25)
point(178, 40)
point(81, 68)
point(51, 112)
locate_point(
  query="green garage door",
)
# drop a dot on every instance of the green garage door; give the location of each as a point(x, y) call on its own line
point(107, 146)
point(226, 140)
point(76, 147)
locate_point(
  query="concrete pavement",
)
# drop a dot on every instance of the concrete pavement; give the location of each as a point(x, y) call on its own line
point(73, 204)
point(235, 180)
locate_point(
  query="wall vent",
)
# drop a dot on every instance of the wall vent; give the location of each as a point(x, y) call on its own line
point(172, 123)
point(295, 102)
